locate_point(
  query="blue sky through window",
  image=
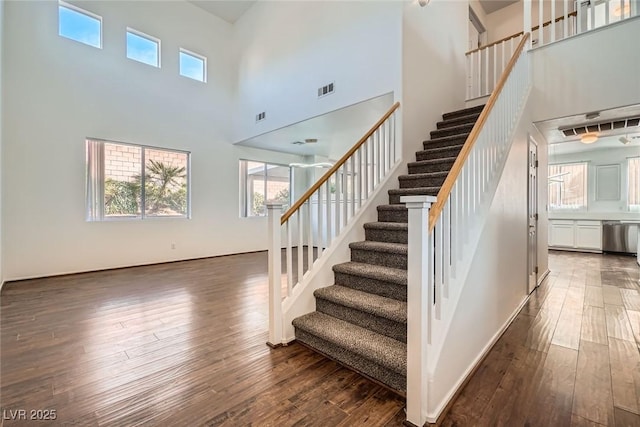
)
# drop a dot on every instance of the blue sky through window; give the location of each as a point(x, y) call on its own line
point(192, 66)
point(142, 49)
point(79, 26)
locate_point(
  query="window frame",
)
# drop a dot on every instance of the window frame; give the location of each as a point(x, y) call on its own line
point(148, 37)
point(193, 55)
point(244, 196)
point(85, 12)
point(630, 207)
point(586, 188)
point(101, 216)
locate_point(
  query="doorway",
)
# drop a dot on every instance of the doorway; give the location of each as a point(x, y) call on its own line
point(532, 214)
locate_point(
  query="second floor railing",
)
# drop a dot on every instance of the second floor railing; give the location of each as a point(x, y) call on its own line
point(560, 19)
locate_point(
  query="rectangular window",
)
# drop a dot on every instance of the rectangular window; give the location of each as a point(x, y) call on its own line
point(143, 48)
point(79, 25)
point(260, 182)
point(633, 177)
point(193, 65)
point(568, 186)
point(135, 181)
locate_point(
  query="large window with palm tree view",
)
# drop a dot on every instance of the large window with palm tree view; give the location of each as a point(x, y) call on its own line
point(128, 181)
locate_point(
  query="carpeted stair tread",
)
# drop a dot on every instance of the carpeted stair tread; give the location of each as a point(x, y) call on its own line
point(470, 118)
point(423, 175)
point(432, 162)
point(391, 248)
point(385, 351)
point(464, 112)
point(445, 141)
point(379, 225)
point(387, 308)
point(453, 130)
point(436, 150)
point(369, 271)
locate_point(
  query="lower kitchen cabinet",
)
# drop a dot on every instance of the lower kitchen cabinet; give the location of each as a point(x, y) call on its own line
point(575, 235)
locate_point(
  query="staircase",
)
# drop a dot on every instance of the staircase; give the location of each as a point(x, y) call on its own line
point(361, 321)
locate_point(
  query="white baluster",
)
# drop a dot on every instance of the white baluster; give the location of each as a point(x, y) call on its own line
point(352, 166)
point(310, 237)
point(358, 187)
point(439, 260)
point(328, 214)
point(289, 257)
point(540, 24)
point(274, 212)
point(300, 245)
point(565, 21)
point(553, 21)
point(486, 71)
point(321, 241)
point(479, 77)
point(446, 248)
point(495, 67)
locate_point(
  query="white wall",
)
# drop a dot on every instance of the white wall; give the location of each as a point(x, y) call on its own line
point(569, 81)
point(510, 19)
point(433, 67)
point(2, 38)
point(496, 285)
point(287, 50)
point(62, 91)
point(608, 156)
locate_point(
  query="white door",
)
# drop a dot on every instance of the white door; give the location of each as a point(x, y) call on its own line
point(532, 264)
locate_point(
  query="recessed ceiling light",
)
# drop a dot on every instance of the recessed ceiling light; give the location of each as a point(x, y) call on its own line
point(591, 116)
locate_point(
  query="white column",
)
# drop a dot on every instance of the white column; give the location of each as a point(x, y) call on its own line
point(419, 305)
point(274, 212)
point(527, 21)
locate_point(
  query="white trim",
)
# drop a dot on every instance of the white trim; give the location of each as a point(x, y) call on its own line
point(145, 36)
point(542, 277)
point(83, 12)
point(197, 56)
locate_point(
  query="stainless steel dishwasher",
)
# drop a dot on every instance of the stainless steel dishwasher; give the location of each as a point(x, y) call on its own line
point(619, 237)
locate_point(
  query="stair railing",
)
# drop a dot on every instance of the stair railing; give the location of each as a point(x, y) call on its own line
point(561, 19)
point(307, 229)
point(444, 231)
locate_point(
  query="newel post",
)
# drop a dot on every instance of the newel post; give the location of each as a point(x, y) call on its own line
point(274, 212)
point(419, 304)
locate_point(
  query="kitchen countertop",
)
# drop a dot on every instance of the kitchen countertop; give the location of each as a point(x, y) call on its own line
point(597, 216)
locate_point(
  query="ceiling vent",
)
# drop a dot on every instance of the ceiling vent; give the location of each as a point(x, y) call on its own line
point(601, 127)
point(326, 90)
point(261, 116)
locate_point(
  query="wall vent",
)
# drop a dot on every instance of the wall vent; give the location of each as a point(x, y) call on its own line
point(601, 127)
point(326, 90)
point(261, 116)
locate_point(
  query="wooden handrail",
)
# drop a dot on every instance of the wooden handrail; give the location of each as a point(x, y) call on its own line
point(307, 195)
point(537, 27)
point(452, 176)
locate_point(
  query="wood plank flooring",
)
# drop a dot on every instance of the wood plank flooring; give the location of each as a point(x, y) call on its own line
point(183, 344)
point(575, 352)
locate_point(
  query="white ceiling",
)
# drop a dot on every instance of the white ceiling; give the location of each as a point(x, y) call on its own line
point(336, 131)
point(229, 10)
point(559, 144)
point(491, 6)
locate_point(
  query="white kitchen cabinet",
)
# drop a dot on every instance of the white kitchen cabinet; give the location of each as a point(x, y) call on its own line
point(562, 234)
point(575, 235)
point(589, 235)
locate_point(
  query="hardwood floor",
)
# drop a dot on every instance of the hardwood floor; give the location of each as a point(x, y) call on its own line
point(570, 358)
point(183, 344)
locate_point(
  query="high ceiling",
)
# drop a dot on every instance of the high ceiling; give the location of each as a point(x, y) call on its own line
point(230, 11)
point(491, 6)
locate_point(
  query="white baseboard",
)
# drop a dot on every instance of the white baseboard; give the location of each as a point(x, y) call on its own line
point(543, 276)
